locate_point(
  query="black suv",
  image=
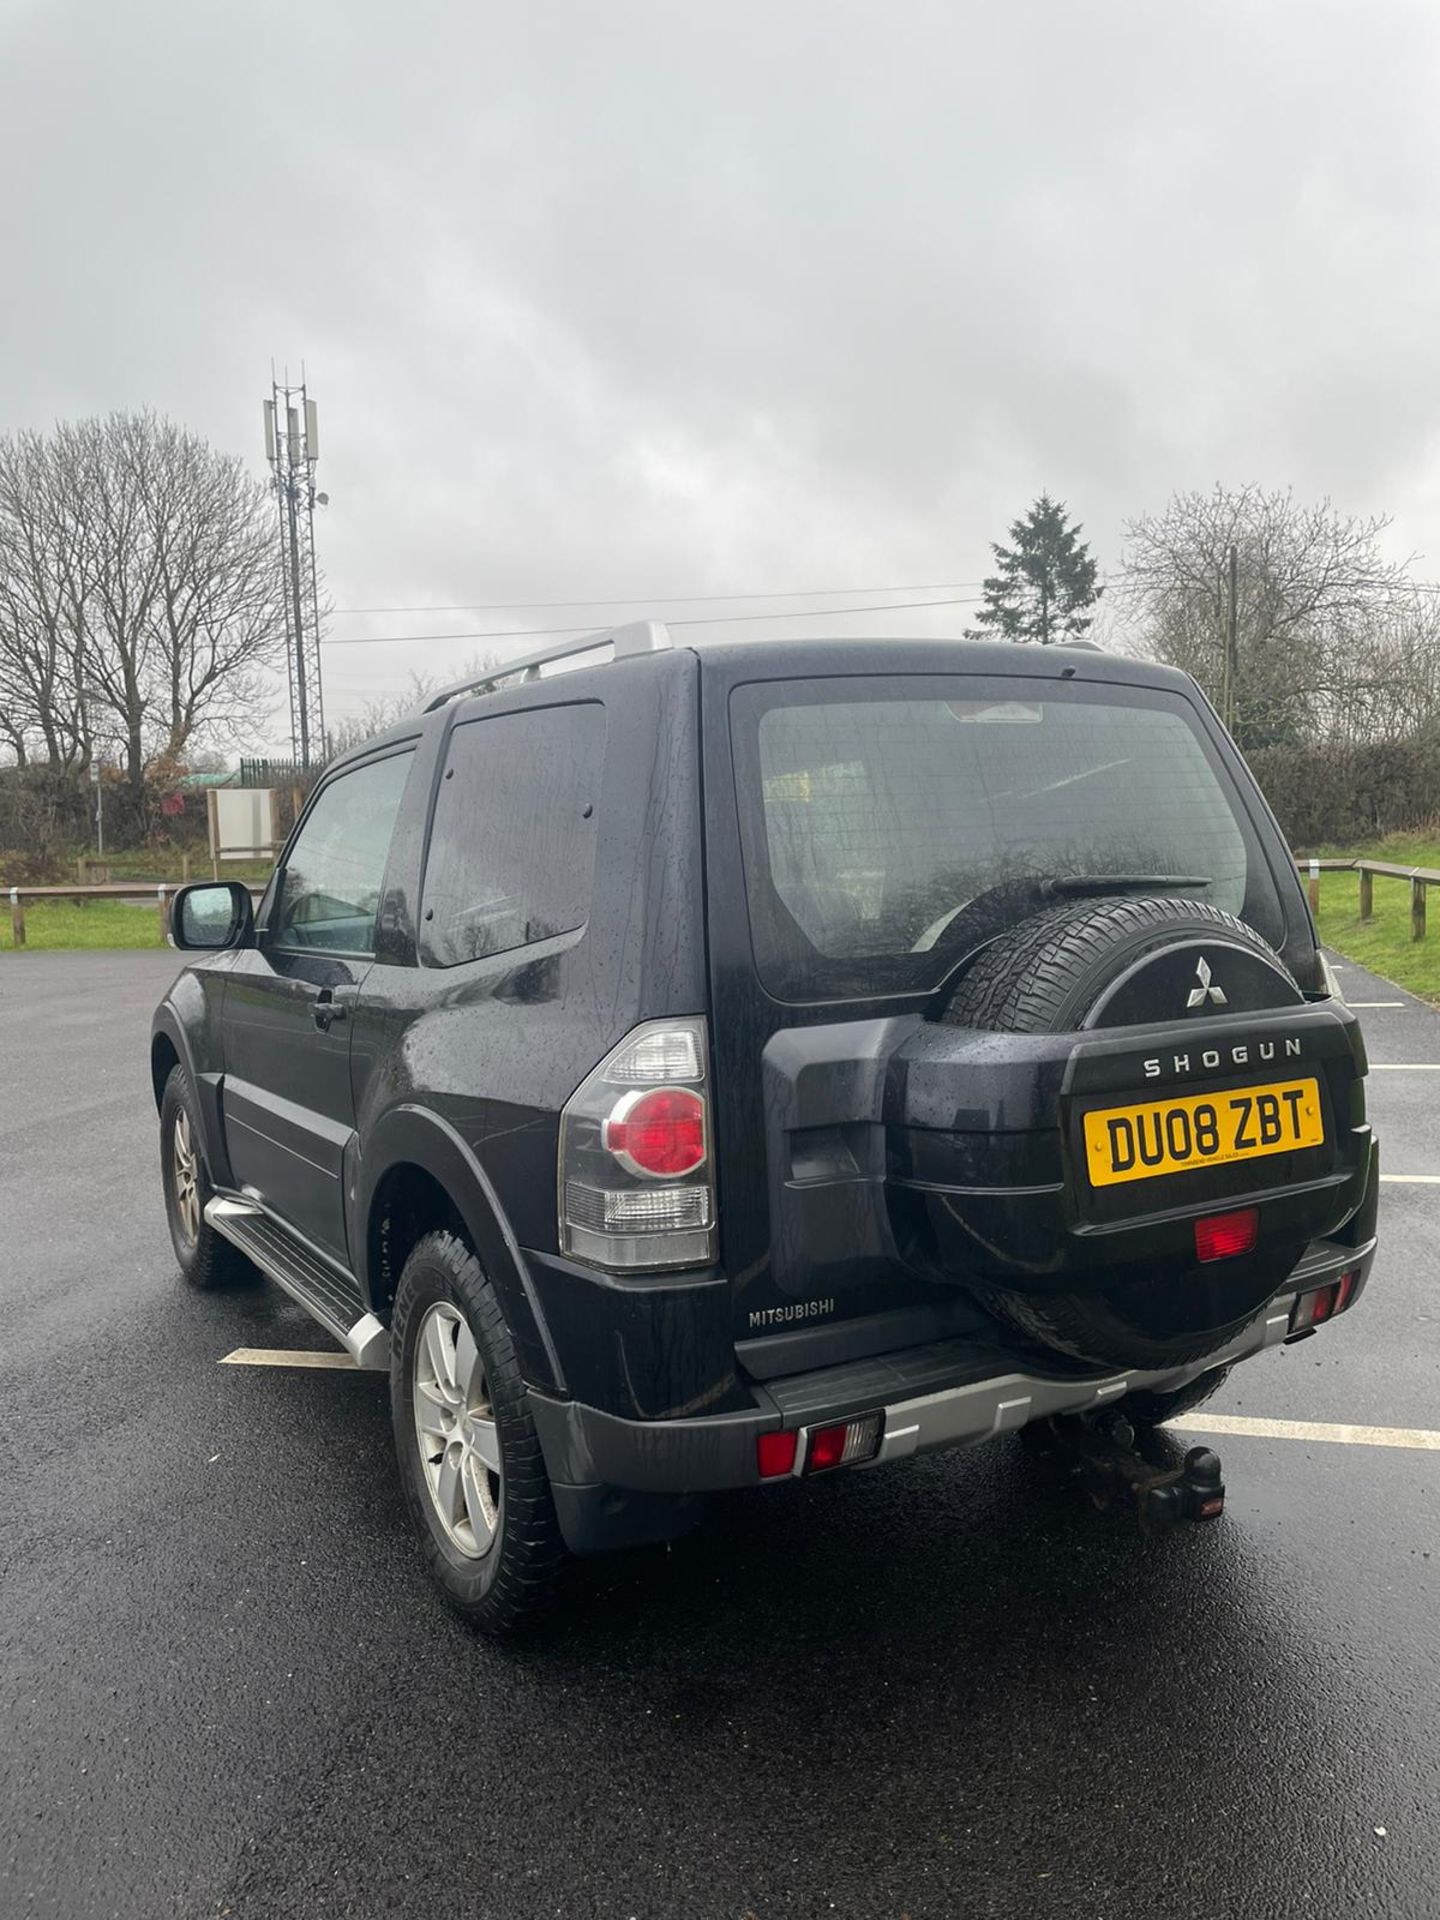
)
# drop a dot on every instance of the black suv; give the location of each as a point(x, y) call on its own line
point(686, 1070)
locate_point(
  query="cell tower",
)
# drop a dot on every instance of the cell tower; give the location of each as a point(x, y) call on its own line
point(292, 446)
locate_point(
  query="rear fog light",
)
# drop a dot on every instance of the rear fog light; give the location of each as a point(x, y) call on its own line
point(843, 1446)
point(1313, 1309)
point(820, 1449)
point(1222, 1235)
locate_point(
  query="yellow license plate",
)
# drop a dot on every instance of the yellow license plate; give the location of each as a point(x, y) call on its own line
point(1202, 1130)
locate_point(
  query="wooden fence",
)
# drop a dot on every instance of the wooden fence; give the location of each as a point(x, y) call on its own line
point(158, 891)
point(1420, 879)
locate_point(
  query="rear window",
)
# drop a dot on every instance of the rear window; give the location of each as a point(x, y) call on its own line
point(512, 847)
point(892, 826)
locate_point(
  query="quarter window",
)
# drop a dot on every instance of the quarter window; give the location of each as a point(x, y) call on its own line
point(330, 890)
point(512, 849)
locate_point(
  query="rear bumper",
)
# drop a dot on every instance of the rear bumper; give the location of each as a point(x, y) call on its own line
point(619, 1481)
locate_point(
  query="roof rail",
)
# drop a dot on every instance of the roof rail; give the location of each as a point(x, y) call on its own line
point(1087, 646)
point(639, 636)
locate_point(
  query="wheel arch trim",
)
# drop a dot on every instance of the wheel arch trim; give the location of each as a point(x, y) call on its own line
point(167, 1026)
point(409, 1135)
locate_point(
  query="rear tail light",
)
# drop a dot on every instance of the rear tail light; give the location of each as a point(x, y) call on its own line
point(819, 1449)
point(1313, 1309)
point(637, 1188)
point(1223, 1235)
point(657, 1134)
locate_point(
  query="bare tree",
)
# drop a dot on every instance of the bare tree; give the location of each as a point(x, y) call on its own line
point(139, 596)
point(1316, 598)
point(41, 710)
point(386, 709)
point(378, 713)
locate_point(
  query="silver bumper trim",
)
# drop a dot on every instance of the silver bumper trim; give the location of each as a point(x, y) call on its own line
point(966, 1416)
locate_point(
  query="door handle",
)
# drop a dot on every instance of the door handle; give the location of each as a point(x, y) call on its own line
point(327, 1008)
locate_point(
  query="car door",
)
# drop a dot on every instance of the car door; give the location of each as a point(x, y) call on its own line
point(288, 1109)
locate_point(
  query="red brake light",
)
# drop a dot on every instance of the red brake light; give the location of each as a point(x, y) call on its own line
point(775, 1454)
point(1223, 1235)
point(661, 1133)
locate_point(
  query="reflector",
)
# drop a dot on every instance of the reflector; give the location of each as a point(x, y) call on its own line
point(775, 1454)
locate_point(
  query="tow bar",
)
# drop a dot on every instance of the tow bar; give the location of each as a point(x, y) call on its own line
point(1101, 1456)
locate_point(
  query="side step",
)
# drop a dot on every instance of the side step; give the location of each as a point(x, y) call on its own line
point(325, 1290)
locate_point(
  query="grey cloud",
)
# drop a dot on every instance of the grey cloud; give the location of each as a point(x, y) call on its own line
point(598, 299)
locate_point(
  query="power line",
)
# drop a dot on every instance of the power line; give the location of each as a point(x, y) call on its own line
point(751, 593)
point(656, 599)
point(692, 620)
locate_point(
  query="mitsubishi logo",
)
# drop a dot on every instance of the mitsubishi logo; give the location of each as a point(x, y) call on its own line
point(1205, 991)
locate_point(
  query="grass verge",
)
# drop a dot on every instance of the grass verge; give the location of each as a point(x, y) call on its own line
point(1383, 943)
point(53, 926)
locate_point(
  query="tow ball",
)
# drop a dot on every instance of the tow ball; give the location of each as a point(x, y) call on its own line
point(1110, 1465)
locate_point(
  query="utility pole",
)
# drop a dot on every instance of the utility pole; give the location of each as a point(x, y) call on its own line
point(292, 447)
point(1232, 651)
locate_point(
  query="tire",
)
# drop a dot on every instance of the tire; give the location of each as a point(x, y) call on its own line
point(1047, 975)
point(206, 1260)
point(1154, 1409)
point(1050, 975)
point(470, 1464)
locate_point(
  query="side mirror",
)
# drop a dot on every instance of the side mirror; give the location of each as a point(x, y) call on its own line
point(211, 915)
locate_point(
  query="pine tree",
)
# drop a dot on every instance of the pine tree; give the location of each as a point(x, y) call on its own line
point(1045, 582)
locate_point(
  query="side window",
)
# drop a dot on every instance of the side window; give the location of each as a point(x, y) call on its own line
point(330, 889)
point(512, 848)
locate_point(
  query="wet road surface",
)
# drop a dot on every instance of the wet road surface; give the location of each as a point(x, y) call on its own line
point(933, 1690)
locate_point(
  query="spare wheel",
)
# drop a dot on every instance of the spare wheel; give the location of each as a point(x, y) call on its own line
point(1118, 962)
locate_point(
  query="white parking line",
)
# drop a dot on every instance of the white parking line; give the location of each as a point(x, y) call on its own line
point(1405, 1066)
point(1376, 1003)
point(283, 1357)
point(1419, 1439)
point(1412, 1179)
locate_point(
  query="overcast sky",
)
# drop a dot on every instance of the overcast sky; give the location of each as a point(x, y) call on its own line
point(677, 299)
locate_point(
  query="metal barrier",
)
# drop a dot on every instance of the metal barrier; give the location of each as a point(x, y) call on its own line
point(1419, 877)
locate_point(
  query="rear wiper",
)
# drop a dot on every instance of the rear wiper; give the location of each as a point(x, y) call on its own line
point(1117, 882)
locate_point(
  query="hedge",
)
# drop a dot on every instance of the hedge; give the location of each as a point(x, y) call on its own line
point(1346, 795)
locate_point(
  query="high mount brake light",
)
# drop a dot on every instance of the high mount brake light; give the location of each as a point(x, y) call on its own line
point(636, 1179)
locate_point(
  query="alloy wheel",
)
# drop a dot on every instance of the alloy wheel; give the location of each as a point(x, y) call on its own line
point(455, 1428)
point(185, 1162)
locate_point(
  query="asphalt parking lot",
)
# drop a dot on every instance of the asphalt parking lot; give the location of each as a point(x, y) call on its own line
point(227, 1689)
